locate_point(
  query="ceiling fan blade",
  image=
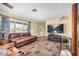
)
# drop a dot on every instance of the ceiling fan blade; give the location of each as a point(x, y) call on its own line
point(8, 5)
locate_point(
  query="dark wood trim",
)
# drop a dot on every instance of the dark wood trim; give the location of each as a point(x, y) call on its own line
point(8, 5)
point(74, 29)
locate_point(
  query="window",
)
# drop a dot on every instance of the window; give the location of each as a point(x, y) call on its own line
point(18, 27)
point(25, 27)
point(12, 27)
point(0, 22)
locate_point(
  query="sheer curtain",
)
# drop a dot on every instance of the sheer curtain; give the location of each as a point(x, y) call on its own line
point(5, 26)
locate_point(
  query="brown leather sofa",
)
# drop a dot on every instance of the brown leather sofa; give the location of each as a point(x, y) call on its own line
point(20, 39)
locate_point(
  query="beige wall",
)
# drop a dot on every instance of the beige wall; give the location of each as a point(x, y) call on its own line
point(37, 28)
point(40, 28)
point(67, 25)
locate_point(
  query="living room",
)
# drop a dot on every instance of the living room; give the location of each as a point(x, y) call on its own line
point(36, 29)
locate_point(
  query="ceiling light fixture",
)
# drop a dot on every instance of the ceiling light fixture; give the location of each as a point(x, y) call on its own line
point(34, 10)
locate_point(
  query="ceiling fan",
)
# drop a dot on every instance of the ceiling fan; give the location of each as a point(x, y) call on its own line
point(8, 5)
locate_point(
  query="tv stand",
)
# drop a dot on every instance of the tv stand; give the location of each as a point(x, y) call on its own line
point(55, 38)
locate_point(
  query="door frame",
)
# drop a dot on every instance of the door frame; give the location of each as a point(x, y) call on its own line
point(74, 49)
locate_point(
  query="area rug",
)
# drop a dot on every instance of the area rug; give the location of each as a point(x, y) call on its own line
point(41, 47)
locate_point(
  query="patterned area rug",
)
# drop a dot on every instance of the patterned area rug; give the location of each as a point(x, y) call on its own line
point(41, 47)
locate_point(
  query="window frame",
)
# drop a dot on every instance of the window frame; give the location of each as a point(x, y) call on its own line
point(22, 29)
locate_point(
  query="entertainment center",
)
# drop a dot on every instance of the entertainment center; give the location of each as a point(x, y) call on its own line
point(55, 31)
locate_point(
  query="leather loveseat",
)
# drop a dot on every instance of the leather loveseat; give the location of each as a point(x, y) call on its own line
point(20, 39)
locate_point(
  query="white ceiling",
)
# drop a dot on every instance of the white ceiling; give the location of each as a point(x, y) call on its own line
point(44, 10)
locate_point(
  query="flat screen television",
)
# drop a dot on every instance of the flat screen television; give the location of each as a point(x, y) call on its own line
point(59, 28)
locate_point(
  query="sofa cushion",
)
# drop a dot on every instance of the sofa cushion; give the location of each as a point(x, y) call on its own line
point(23, 37)
point(26, 39)
point(21, 34)
point(29, 39)
point(17, 38)
point(20, 41)
point(27, 34)
point(14, 39)
point(17, 34)
point(13, 35)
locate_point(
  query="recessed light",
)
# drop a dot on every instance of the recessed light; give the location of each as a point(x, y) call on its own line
point(34, 10)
